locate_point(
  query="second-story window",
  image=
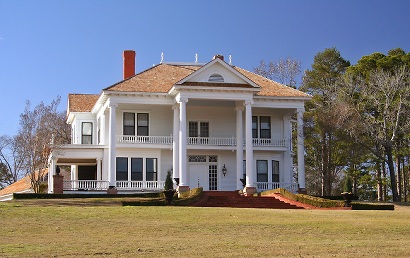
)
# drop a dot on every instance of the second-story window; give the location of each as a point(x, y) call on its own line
point(129, 123)
point(141, 124)
point(261, 127)
point(87, 133)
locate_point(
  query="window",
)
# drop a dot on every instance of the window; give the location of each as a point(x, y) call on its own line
point(193, 129)
point(151, 167)
point(136, 169)
point(142, 124)
point(264, 127)
point(213, 177)
point(197, 158)
point(244, 169)
point(275, 171)
point(254, 127)
point(128, 123)
point(122, 169)
point(216, 77)
point(87, 133)
point(198, 129)
point(261, 127)
point(262, 170)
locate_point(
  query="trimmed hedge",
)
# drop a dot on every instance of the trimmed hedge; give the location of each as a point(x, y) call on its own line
point(372, 206)
point(69, 196)
point(306, 199)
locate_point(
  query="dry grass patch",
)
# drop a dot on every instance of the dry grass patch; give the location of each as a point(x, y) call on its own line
point(115, 231)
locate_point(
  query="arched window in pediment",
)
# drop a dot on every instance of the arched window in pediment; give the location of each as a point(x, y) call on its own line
point(216, 77)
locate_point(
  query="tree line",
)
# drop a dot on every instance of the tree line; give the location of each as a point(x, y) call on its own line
point(356, 125)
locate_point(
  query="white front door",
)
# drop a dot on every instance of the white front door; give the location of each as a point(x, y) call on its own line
point(199, 176)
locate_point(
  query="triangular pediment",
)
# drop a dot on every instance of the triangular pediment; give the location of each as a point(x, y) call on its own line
point(218, 72)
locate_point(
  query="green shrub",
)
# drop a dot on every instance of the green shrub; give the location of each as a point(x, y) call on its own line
point(169, 185)
point(306, 199)
point(372, 206)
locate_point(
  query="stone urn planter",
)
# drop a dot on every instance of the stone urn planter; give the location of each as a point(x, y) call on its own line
point(347, 197)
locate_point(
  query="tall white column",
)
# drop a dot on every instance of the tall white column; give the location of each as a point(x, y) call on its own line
point(51, 173)
point(239, 147)
point(98, 169)
point(112, 145)
point(301, 151)
point(183, 179)
point(250, 177)
point(287, 174)
point(175, 143)
point(102, 129)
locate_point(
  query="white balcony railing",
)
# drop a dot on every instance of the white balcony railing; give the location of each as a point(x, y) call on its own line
point(144, 139)
point(85, 185)
point(140, 185)
point(209, 141)
point(263, 186)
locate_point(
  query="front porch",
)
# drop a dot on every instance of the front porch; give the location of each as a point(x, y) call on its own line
point(154, 186)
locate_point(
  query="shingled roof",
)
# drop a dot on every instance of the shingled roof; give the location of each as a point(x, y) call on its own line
point(81, 102)
point(161, 78)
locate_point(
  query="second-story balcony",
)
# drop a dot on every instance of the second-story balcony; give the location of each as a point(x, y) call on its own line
point(199, 141)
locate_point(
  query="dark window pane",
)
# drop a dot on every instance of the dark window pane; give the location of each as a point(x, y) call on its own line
point(275, 171)
point(142, 124)
point(122, 169)
point(129, 124)
point(87, 133)
point(265, 131)
point(136, 169)
point(151, 169)
point(254, 127)
point(193, 129)
point(262, 170)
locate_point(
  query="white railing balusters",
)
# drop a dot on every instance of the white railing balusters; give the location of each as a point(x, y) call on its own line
point(85, 184)
point(263, 186)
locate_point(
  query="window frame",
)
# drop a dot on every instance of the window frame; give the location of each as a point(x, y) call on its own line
point(89, 136)
point(117, 171)
point(154, 173)
point(275, 171)
point(125, 127)
point(259, 174)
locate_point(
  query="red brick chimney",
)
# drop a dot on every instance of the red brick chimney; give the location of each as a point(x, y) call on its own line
point(129, 63)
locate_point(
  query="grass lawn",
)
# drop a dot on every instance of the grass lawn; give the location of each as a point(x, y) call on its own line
point(30, 230)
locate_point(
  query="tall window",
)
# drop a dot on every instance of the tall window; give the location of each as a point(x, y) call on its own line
point(87, 133)
point(128, 123)
point(136, 169)
point(275, 171)
point(122, 169)
point(262, 170)
point(264, 127)
point(198, 129)
point(254, 127)
point(142, 124)
point(151, 167)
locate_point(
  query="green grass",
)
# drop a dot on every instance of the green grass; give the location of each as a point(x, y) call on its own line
point(37, 228)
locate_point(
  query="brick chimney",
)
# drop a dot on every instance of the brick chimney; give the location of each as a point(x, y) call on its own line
point(129, 63)
point(218, 56)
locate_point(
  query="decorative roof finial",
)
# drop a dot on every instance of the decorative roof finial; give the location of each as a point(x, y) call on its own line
point(230, 59)
point(162, 57)
point(196, 58)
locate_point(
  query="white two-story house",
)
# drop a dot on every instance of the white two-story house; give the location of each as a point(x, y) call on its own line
point(214, 125)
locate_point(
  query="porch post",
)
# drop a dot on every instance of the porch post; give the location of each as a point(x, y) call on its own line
point(183, 184)
point(250, 181)
point(301, 151)
point(175, 143)
point(287, 174)
point(102, 129)
point(112, 145)
point(98, 169)
point(239, 147)
point(51, 173)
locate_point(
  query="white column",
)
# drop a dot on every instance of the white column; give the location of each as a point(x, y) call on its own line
point(183, 179)
point(301, 150)
point(287, 174)
point(98, 169)
point(112, 145)
point(239, 147)
point(102, 129)
point(51, 173)
point(175, 143)
point(250, 177)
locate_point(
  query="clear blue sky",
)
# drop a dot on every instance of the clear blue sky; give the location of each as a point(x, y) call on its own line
point(51, 48)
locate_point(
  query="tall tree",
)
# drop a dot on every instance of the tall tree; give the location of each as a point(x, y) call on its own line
point(379, 103)
point(324, 113)
point(284, 71)
point(38, 127)
point(10, 159)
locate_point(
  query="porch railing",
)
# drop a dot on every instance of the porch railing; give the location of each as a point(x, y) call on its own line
point(210, 141)
point(140, 185)
point(263, 186)
point(144, 139)
point(85, 185)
